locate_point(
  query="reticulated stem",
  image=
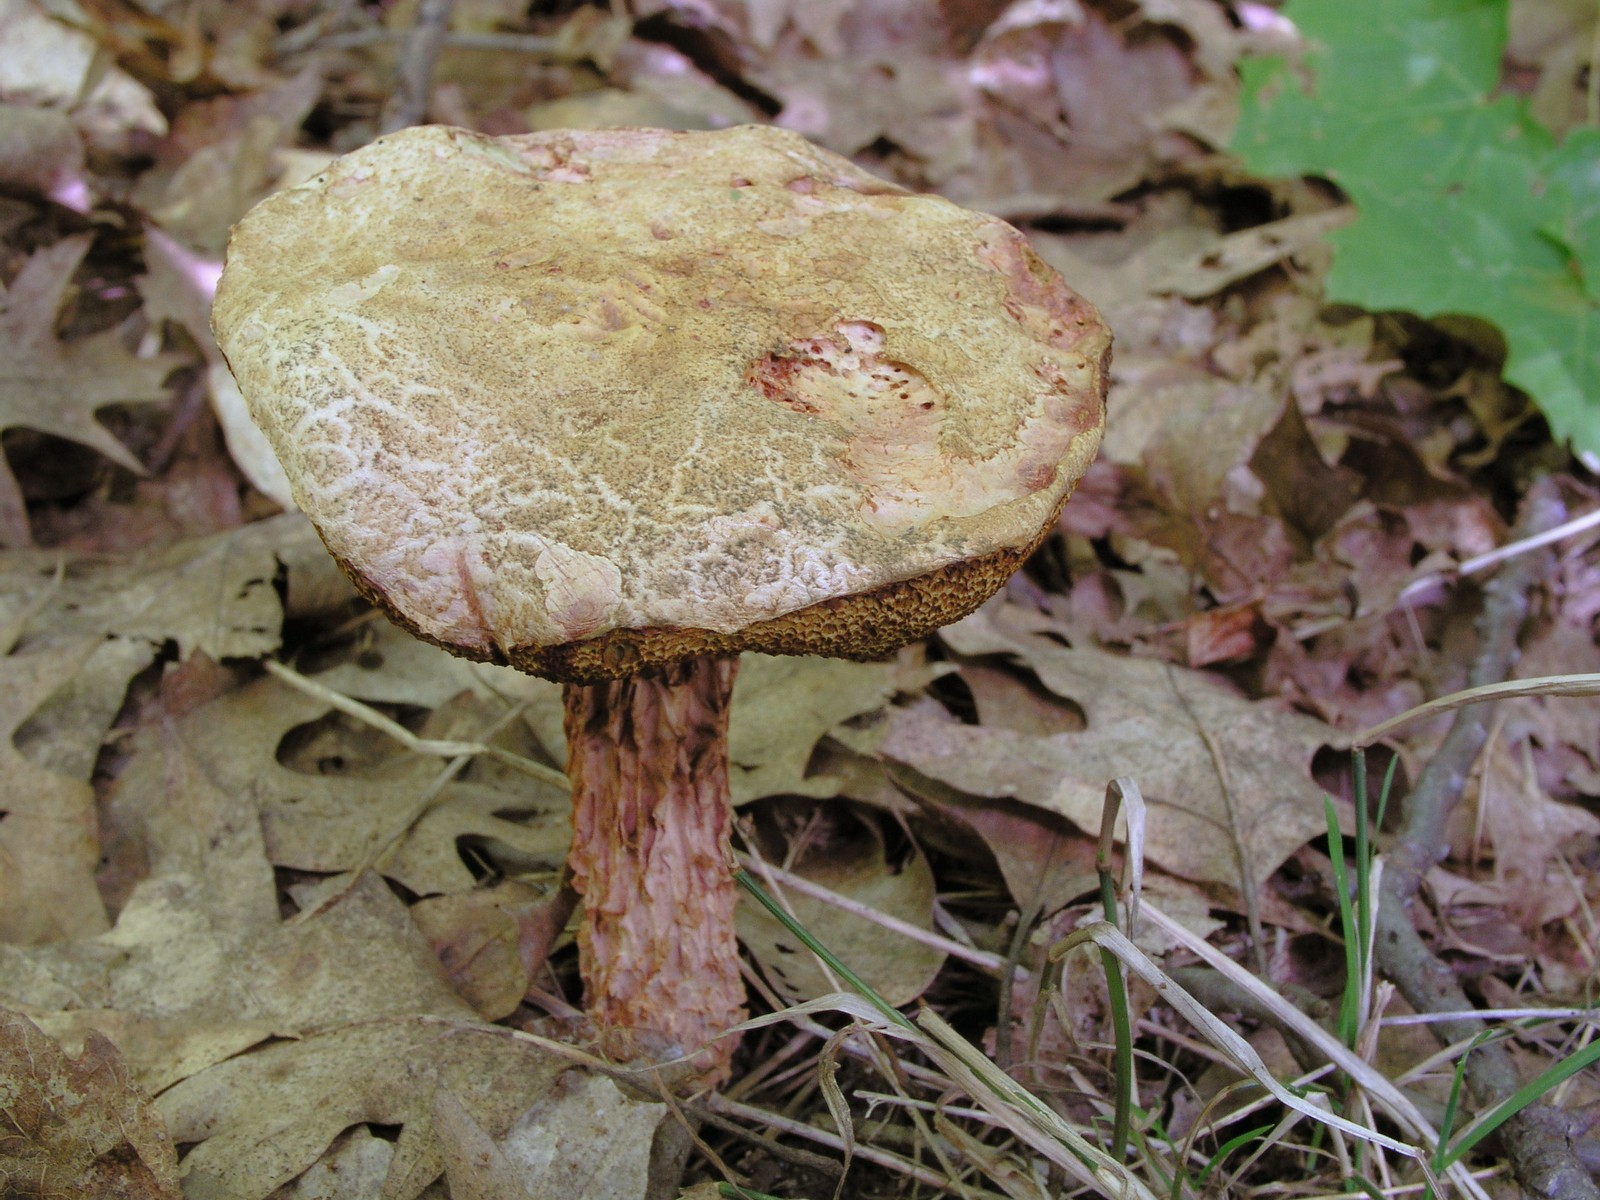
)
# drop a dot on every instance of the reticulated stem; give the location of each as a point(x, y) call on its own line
point(648, 760)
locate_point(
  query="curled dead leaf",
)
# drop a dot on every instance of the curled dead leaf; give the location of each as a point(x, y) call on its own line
point(77, 1126)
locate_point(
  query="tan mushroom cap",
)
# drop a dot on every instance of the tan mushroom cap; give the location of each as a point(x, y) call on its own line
point(587, 401)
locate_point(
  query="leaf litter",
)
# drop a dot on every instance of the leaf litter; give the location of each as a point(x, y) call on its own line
point(319, 962)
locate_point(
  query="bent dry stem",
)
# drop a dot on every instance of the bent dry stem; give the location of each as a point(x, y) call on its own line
point(651, 816)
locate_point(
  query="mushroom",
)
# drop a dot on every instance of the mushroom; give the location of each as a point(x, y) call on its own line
point(612, 407)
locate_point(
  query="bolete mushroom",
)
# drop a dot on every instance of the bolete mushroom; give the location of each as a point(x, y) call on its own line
point(614, 406)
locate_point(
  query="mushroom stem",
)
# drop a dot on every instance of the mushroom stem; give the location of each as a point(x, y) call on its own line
point(647, 756)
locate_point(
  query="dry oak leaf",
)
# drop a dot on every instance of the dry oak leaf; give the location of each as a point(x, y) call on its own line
point(200, 965)
point(41, 153)
point(48, 844)
point(784, 706)
point(57, 388)
point(1228, 780)
point(1073, 104)
point(263, 1118)
point(585, 1139)
point(354, 1166)
point(330, 822)
point(216, 594)
point(386, 665)
point(77, 1127)
point(1529, 833)
point(486, 941)
point(1043, 859)
point(223, 156)
point(845, 852)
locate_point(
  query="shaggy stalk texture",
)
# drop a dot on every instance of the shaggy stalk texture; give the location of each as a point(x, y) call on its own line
point(648, 761)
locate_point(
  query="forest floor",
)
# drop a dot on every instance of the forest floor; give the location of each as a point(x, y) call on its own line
point(253, 945)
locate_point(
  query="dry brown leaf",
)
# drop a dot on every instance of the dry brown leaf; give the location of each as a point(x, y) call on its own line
point(1303, 489)
point(478, 937)
point(846, 854)
point(52, 62)
point(358, 792)
point(665, 90)
point(1239, 255)
point(77, 1127)
point(179, 286)
point(1528, 832)
point(1074, 104)
point(199, 965)
point(1565, 729)
point(850, 73)
point(474, 1166)
point(1558, 38)
point(41, 153)
point(1227, 419)
point(1013, 699)
point(583, 1140)
point(1126, 275)
point(1228, 780)
point(222, 158)
point(48, 846)
point(263, 1118)
point(57, 388)
point(782, 707)
point(353, 1168)
point(1043, 860)
point(214, 594)
point(914, 103)
point(1233, 633)
point(385, 664)
point(67, 733)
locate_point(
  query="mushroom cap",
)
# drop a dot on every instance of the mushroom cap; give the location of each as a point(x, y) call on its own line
point(584, 402)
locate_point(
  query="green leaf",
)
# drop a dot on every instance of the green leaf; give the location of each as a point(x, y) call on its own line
point(1467, 204)
point(1573, 182)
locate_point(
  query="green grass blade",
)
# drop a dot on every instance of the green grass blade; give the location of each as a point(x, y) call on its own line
point(743, 879)
point(1520, 1099)
point(1350, 1000)
point(1227, 1148)
point(1121, 1023)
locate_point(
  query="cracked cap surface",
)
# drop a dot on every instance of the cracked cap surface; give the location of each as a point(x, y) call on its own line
point(589, 401)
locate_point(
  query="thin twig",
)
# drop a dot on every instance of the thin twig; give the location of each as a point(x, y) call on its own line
point(368, 715)
point(1497, 1014)
point(882, 1158)
point(1422, 842)
point(789, 1154)
point(408, 103)
point(1490, 558)
point(1541, 1157)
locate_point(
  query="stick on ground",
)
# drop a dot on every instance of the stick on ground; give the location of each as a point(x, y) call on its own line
point(1535, 1140)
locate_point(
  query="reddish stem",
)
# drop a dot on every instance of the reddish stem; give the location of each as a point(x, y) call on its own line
point(648, 760)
